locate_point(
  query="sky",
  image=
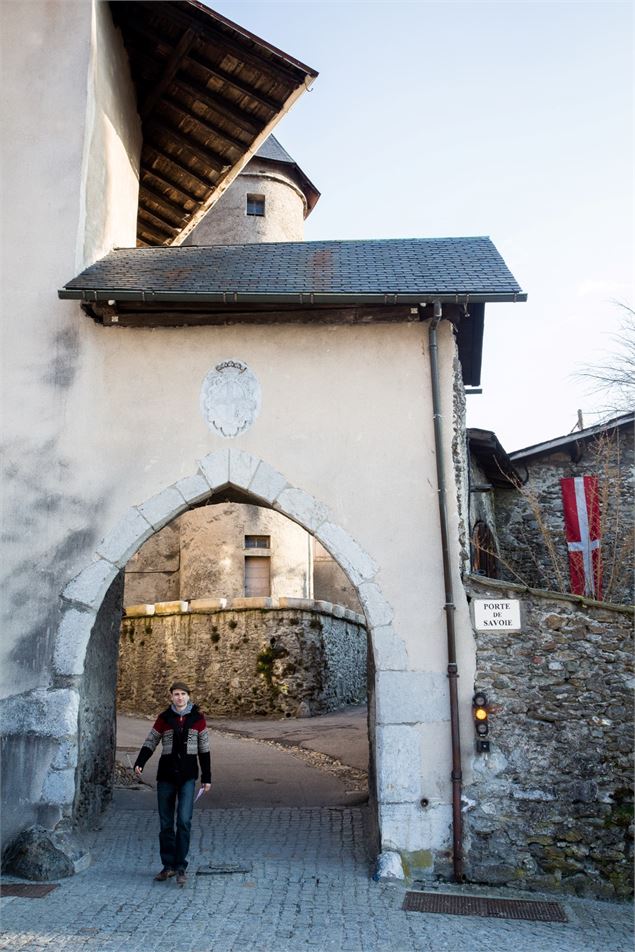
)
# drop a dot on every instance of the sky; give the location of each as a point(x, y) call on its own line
point(511, 119)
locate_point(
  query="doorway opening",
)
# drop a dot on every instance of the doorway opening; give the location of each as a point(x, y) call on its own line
point(313, 672)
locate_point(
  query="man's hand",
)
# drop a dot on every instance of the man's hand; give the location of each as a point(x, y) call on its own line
point(206, 787)
point(138, 771)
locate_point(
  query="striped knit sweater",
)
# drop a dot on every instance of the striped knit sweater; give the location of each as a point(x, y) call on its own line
point(183, 739)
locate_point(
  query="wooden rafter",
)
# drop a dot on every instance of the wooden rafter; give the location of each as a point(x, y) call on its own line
point(207, 90)
point(229, 111)
point(178, 210)
point(205, 124)
point(205, 155)
point(184, 169)
point(169, 183)
point(158, 222)
point(260, 98)
point(172, 66)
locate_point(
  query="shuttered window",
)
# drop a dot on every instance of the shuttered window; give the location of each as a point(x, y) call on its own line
point(257, 576)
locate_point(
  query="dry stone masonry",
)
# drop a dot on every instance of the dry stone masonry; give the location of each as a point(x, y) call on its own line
point(551, 807)
point(244, 656)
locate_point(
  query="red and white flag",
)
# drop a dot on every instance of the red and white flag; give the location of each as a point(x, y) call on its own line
point(582, 525)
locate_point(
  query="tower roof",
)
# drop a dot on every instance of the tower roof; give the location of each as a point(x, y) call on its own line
point(272, 151)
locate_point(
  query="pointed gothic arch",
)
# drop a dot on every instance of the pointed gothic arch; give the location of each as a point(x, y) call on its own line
point(84, 595)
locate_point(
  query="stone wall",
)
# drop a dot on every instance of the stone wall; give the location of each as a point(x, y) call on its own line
point(551, 807)
point(525, 527)
point(243, 657)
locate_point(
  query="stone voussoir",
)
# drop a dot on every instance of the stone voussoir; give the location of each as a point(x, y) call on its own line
point(215, 468)
point(71, 641)
point(242, 468)
point(358, 564)
point(302, 508)
point(89, 587)
point(193, 488)
point(267, 483)
point(162, 508)
point(124, 539)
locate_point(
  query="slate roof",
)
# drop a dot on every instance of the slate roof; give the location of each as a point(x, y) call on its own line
point(577, 436)
point(393, 271)
point(272, 150)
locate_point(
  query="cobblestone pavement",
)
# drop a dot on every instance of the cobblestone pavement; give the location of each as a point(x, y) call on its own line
point(308, 888)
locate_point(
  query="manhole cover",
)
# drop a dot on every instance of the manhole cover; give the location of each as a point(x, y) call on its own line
point(222, 869)
point(450, 905)
point(27, 890)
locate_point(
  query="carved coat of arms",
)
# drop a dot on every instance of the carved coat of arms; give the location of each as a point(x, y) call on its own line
point(230, 398)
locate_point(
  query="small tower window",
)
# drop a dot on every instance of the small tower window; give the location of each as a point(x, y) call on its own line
point(256, 205)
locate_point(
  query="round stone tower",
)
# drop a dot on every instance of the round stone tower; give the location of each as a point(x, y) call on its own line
point(268, 201)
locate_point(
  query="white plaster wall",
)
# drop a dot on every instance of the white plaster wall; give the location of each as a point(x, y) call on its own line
point(112, 146)
point(97, 420)
point(228, 223)
point(346, 416)
point(54, 215)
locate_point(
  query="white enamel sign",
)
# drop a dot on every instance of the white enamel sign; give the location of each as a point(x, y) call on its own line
point(496, 613)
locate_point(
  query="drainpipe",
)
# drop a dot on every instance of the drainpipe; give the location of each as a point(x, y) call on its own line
point(457, 819)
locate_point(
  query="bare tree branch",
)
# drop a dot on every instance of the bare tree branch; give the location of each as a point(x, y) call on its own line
point(614, 378)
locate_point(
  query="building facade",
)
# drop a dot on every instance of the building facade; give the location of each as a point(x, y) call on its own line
point(167, 376)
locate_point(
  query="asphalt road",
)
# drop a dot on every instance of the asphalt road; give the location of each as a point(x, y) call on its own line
point(263, 763)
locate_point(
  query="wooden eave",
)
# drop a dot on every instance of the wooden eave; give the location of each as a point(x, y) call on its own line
point(208, 94)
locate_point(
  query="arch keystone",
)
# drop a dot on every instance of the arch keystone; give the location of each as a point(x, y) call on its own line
point(242, 468)
point(215, 468)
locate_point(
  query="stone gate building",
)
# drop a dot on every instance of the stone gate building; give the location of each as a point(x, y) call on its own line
point(318, 379)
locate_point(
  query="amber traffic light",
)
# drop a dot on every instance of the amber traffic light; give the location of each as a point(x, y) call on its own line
point(480, 713)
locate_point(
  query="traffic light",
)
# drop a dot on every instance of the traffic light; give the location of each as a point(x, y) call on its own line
point(480, 713)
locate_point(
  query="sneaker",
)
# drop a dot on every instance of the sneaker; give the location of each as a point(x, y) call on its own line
point(181, 877)
point(164, 874)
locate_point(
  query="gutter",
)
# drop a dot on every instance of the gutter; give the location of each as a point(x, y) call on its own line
point(288, 297)
point(449, 607)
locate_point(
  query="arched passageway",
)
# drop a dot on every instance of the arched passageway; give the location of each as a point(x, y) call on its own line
point(92, 606)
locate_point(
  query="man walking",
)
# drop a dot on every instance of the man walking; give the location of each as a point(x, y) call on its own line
point(182, 730)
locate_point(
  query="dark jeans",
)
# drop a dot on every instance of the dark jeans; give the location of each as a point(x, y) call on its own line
point(175, 846)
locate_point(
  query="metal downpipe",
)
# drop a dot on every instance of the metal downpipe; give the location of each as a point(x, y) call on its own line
point(457, 819)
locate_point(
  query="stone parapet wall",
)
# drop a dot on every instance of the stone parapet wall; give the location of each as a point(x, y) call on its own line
point(243, 656)
point(551, 806)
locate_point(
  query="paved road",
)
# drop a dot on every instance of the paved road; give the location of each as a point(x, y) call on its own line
point(307, 888)
point(305, 882)
point(264, 772)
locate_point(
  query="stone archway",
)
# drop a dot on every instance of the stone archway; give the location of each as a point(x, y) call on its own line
point(84, 595)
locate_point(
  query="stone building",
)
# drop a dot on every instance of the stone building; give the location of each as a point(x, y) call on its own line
point(233, 550)
point(516, 507)
point(266, 634)
point(146, 377)
point(268, 201)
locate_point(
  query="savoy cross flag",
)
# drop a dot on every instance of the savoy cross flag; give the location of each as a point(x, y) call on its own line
point(582, 525)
